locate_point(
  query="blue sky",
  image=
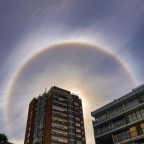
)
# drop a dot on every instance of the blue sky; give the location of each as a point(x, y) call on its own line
point(93, 48)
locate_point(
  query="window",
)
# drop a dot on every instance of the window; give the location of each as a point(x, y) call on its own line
point(76, 108)
point(133, 132)
point(139, 114)
point(55, 125)
point(71, 141)
point(137, 130)
point(142, 112)
point(78, 124)
point(59, 114)
point(77, 113)
point(101, 117)
point(142, 127)
point(118, 123)
point(70, 102)
point(77, 118)
point(59, 139)
point(104, 129)
point(132, 103)
point(29, 128)
point(78, 130)
point(28, 135)
point(57, 119)
point(59, 108)
point(70, 113)
point(27, 140)
point(71, 136)
point(72, 130)
point(71, 118)
point(79, 142)
point(71, 124)
point(116, 111)
point(61, 99)
point(59, 132)
point(59, 103)
point(78, 136)
point(121, 136)
point(142, 97)
point(76, 103)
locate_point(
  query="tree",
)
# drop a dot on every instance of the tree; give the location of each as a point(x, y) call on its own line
point(4, 139)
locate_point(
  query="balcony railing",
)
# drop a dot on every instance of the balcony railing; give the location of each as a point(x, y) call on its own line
point(96, 122)
point(118, 124)
point(130, 136)
point(108, 128)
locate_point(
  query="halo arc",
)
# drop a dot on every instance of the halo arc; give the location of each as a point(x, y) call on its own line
point(89, 44)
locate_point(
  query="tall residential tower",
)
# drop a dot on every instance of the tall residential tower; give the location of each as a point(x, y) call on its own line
point(55, 117)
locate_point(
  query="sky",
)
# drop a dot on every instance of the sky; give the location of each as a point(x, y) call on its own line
point(94, 48)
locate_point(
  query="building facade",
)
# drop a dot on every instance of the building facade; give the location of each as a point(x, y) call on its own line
point(55, 117)
point(121, 121)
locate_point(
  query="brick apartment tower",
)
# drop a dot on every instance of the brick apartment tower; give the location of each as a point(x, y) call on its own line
point(55, 117)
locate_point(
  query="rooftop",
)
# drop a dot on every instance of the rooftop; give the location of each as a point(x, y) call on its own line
point(116, 101)
point(59, 89)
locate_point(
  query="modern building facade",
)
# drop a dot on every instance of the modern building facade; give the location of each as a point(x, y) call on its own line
point(55, 117)
point(121, 121)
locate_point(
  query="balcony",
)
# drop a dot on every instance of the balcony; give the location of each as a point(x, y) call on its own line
point(97, 122)
point(129, 137)
point(118, 124)
point(109, 128)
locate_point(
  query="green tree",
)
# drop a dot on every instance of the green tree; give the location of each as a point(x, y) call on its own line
point(4, 139)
